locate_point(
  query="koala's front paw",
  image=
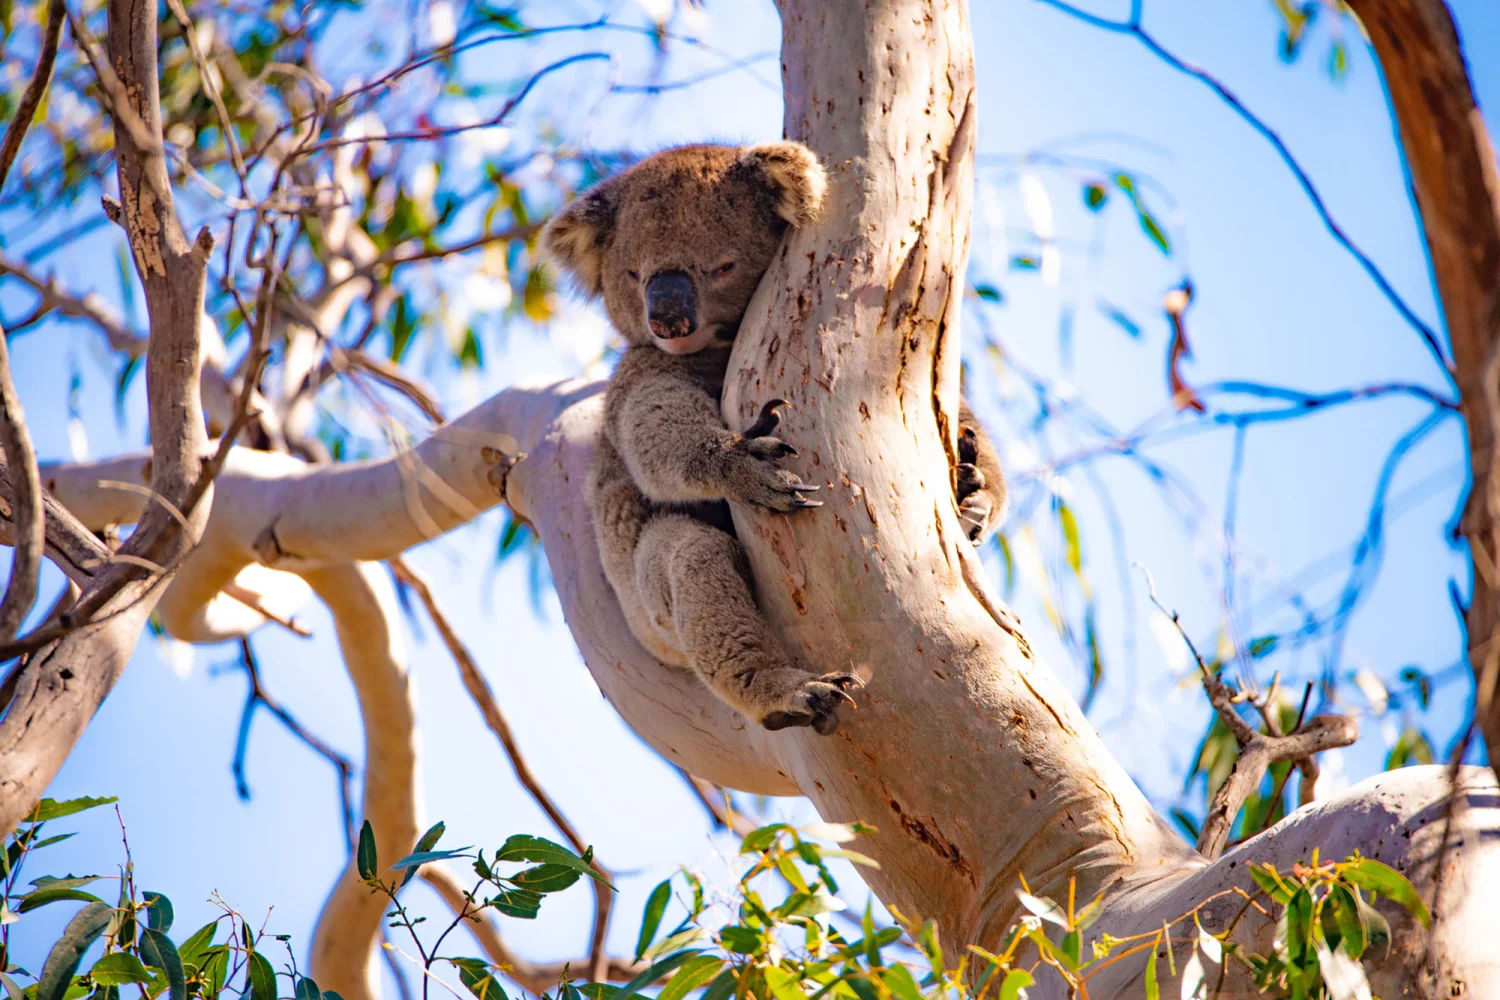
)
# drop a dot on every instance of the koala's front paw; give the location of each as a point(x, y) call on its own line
point(752, 476)
point(813, 703)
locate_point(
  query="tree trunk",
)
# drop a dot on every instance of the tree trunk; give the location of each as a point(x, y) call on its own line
point(1457, 188)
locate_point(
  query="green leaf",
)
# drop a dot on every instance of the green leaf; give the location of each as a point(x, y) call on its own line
point(159, 911)
point(308, 990)
point(741, 940)
point(128, 371)
point(1074, 547)
point(1072, 947)
point(476, 978)
point(215, 969)
point(547, 878)
point(657, 970)
point(899, 981)
point(1375, 876)
point(988, 293)
point(49, 809)
point(365, 858)
point(656, 905)
point(522, 847)
point(1299, 910)
point(722, 988)
point(1094, 196)
point(1153, 992)
point(1411, 747)
point(262, 976)
point(522, 904)
point(1015, 981)
point(193, 949)
point(1148, 222)
point(119, 968)
point(1353, 936)
point(470, 355)
point(158, 951)
point(67, 882)
point(62, 961)
point(1271, 883)
point(42, 897)
point(425, 843)
point(1120, 319)
point(760, 840)
point(692, 974)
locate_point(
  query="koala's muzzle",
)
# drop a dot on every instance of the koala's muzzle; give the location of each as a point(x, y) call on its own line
point(671, 305)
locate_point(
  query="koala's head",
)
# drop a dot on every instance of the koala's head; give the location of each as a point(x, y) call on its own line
point(677, 244)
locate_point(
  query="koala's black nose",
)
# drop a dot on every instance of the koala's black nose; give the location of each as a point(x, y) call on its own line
point(671, 306)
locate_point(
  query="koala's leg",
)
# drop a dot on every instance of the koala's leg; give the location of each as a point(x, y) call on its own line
point(693, 580)
point(620, 512)
point(980, 490)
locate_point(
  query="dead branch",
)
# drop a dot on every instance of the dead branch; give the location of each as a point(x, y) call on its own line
point(1258, 751)
point(484, 699)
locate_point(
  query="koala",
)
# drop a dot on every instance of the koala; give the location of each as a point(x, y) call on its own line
point(676, 246)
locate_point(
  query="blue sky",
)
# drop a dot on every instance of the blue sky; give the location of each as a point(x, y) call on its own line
point(1276, 301)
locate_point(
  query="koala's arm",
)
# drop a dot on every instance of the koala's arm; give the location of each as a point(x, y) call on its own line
point(665, 424)
point(980, 489)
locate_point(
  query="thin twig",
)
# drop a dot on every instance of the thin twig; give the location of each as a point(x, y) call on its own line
point(1133, 27)
point(484, 698)
point(259, 697)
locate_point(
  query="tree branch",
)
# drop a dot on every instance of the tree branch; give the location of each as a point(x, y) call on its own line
point(26, 506)
point(20, 120)
point(58, 692)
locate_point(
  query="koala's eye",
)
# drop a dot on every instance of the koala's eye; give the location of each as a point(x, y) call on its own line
point(723, 269)
point(633, 276)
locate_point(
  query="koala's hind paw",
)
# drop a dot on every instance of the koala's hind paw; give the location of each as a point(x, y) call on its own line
point(814, 703)
point(975, 504)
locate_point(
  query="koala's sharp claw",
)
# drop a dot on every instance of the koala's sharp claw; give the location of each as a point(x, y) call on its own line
point(768, 419)
point(807, 487)
point(787, 451)
point(802, 503)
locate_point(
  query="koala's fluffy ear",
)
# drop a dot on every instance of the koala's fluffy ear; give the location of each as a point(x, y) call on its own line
point(794, 171)
point(576, 237)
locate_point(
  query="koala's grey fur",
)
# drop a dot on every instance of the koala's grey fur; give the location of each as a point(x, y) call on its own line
point(710, 219)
